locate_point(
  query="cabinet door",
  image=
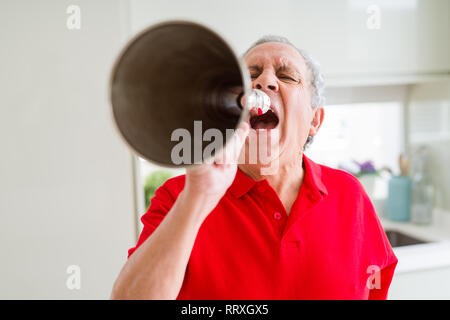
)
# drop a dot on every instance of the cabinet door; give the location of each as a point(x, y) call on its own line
point(412, 36)
point(426, 284)
point(353, 37)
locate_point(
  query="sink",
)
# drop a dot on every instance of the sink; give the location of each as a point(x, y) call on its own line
point(399, 239)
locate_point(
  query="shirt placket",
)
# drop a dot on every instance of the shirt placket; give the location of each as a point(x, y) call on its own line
point(272, 207)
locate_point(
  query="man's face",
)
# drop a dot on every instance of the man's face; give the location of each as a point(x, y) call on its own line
point(280, 71)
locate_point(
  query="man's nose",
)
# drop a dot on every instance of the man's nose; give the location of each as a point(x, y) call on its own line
point(266, 82)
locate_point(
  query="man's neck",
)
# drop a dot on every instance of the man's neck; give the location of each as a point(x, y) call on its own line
point(287, 178)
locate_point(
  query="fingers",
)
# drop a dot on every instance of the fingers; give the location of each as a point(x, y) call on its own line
point(230, 153)
point(241, 134)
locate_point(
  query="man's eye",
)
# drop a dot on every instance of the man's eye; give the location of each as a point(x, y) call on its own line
point(284, 77)
point(253, 76)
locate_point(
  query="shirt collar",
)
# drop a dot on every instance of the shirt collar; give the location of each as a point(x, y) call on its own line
point(313, 176)
point(241, 184)
point(312, 180)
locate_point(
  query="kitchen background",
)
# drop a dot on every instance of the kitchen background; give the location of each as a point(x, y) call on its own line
point(72, 193)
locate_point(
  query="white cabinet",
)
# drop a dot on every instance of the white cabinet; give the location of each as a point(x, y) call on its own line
point(423, 270)
point(413, 37)
point(410, 39)
point(424, 284)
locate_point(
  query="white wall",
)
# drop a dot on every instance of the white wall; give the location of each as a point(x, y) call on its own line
point(66, 187)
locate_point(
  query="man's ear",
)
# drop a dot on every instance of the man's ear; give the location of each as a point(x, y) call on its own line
point(318, 114)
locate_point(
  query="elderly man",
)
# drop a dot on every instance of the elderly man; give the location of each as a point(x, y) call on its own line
point(224, 231)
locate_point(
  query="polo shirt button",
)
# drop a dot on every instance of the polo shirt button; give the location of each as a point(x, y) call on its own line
point(277, 215)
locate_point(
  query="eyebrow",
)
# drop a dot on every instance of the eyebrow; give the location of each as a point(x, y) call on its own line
point(255, 67)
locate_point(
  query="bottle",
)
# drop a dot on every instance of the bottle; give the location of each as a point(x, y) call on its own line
point(422, 190)
point(398, 204)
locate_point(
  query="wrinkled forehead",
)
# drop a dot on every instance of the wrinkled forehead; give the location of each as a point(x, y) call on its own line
point(276, 54)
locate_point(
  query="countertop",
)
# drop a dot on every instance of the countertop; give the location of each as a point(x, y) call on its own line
point(417, 257)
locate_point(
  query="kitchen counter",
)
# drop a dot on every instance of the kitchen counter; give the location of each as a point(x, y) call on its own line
point(434, 254)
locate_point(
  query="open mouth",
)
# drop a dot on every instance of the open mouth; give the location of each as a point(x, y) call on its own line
point(268, 120)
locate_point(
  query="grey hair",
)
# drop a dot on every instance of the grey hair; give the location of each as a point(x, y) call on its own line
point(317, 81)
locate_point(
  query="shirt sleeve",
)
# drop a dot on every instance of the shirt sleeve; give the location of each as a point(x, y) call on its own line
point(382, 253)
point(160, 205)
point(386, 276)
point(387, 267)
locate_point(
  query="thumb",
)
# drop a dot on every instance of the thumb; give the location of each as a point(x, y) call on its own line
point(238, 141)
point(242, 132)
point(232, 149)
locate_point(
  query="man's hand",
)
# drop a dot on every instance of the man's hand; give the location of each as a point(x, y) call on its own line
point(156, 269)
point(211, 180)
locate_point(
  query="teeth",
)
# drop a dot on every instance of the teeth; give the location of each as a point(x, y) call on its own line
point(265, 108)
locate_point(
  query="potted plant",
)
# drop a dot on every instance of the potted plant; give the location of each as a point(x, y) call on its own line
point(367, 175)
point(152, 182)
point(364, 171)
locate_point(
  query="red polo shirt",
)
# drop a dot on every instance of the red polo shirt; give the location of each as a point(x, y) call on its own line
point(330, 246)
